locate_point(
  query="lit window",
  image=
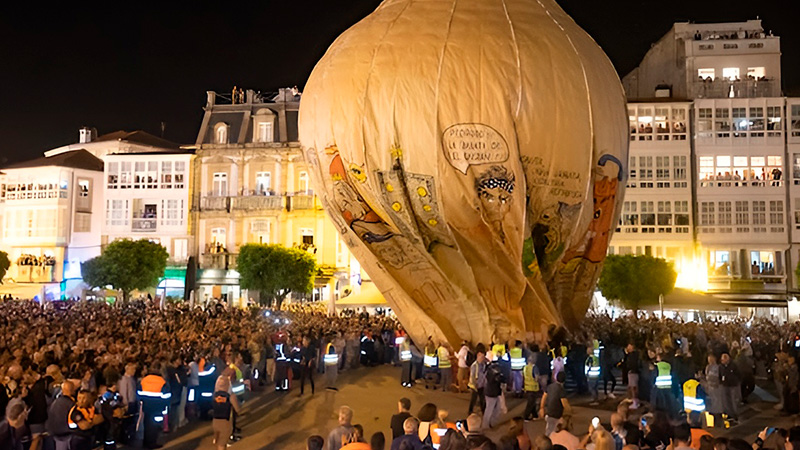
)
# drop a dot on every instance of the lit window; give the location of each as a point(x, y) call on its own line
point(706, 73)
point(220, 184)
point(730, 73)
point(221, 133)
point(755, 72)
point(304, 187)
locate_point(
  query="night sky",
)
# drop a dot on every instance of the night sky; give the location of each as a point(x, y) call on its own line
point(69, 66)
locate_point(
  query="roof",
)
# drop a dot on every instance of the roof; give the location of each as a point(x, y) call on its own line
point(139, 137)
point(76, 159)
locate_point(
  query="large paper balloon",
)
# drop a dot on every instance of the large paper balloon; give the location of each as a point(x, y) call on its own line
point(473, 155)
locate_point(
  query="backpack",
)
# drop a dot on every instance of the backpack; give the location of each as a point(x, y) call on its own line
point(471, 357)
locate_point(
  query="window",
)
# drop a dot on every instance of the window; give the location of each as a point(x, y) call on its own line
point(140, 175)
point(221, 133)
point(795, 120)
point(679, 170)
point(112, 169)
point(742, 212)
point(83, 223)
point(774, 121)
point(704, 122)
point(218, 241)
point(172, 212)
point(740, 122)
point(264, 132)
point(117, 213)
point(166, 174)
point(721, 263)
point(665, 213)
point(722, 122)
point(755, 73)
point(776, 212)
point(180, 169)
point(307, 235)
point(647, 217)
point(261, 231)
point(263, 183)
point(706, 74)
point(724, 215)
point(629, 216)
point(125, 175)
point(152, 174)
point(757, 121)
point(303, 179)
point(762, 263)
point(662, 167)
point(796, 169)
point(220, 184)
point(759, 212)
point(730, 73)
point(682, 213)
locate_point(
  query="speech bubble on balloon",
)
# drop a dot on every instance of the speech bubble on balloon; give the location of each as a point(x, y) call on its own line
point(469, 144)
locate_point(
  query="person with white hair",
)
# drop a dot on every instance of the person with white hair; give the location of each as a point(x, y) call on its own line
point(224, 404)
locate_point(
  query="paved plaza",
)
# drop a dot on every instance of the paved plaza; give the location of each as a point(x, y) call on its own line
point(285, 420)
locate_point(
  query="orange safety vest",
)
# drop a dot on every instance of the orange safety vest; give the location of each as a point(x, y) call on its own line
point(88, 414)
point(436, 437)
point(153, 388)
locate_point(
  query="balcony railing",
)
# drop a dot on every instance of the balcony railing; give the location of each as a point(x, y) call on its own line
point(299, 202)
point(215, 203)
point(719, 88)
point(34, 274)
point(258, 202)
point(144, 225)
point(224, 261)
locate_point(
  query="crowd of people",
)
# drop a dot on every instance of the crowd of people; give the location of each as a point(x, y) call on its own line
point(76, 374)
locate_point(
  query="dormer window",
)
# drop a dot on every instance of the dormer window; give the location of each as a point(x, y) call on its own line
point(264, 126)
point(221, 133)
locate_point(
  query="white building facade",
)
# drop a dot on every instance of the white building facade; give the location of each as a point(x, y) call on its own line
point(52, 215)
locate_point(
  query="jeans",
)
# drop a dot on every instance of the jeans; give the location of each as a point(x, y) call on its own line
point(491, 413)
point(477, 397)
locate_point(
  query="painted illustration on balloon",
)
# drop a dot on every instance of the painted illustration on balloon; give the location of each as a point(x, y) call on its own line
point(548, 238)
point(354, 209)
point(495, 189)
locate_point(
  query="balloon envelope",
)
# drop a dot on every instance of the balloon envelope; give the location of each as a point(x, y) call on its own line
point(472, 154)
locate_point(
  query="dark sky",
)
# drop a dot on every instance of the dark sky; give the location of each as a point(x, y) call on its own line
point(63, 67)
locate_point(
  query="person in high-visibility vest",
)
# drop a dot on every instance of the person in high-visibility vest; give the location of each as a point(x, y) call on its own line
point(445, 367)
point(662, 398)
point(81, 420)
point(593, 372)
point(517, 363)
point(405, 363)
point(207, 374)
point(531, 388)
point(331, 360)
point(693, 398)
point(281, 366)
point(431, 363)
point(155, 396)
point(224, 407)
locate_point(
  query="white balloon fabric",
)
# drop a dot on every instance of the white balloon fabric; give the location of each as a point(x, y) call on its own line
point(473, 155)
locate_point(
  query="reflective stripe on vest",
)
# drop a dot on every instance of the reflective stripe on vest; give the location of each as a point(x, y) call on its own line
point(444, 363)
point(529, 382)
point(593, 367)
point(331, 358)
point(517, 361)
point(152, 387)
point(405, 355)
point(694, 404)
point(399, 340)
point(664, 378)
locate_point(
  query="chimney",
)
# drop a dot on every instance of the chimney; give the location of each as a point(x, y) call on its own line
point(251, 96)
point(86, 134)
point(211, 98)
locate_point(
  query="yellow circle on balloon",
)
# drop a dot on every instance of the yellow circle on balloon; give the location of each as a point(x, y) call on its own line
point(389, 187)
point(427, 207)
point(396, 206)
point(422, 191)
point(432, 221)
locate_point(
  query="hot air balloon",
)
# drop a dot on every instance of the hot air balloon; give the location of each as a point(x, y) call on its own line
point(473, 155)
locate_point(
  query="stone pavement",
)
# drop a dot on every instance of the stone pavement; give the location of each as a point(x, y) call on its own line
point(285, 420)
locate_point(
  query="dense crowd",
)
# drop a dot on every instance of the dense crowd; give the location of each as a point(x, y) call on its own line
point(76, 374)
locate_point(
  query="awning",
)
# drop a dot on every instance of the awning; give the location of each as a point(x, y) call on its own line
point(686, 300)
point(369, 296)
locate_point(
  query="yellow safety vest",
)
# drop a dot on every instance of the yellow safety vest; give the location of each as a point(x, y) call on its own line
point(330, 358)
point(405, 350)
point(499, 350)
point(593, 367)
point(664, 378)
point(444, 360)
point(690, 400)
point(517, 361)
point(530, 385)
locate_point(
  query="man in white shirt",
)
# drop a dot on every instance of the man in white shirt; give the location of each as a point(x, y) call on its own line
point(462, 377)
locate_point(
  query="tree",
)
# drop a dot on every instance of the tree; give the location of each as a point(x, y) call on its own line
point(126, 265)
point(636, 280)
point(275, 271)
point(5, 263)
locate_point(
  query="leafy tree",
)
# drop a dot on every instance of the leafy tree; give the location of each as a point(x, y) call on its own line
point(636, 280)
point(5, 263)
point(275, 271)
point(126, 265)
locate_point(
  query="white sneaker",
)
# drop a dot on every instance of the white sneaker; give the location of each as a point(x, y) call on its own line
point(612, 396)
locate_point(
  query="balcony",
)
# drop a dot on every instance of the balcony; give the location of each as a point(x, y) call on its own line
point(34, 274)
point(223, 260)
point(144, 225)
point(258, 202)
point(213, 203)
point(719, 88)
point(297, 202)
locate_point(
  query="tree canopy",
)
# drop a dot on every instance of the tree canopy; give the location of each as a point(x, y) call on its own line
point(636, 280)
point(5, 263)
point(275, 271)
point(126, 265)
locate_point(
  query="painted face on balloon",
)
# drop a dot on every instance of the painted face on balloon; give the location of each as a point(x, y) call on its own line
point(495, 188)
